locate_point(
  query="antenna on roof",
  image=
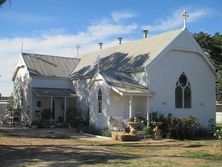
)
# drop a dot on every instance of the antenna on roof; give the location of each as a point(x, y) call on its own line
point(185, 16)
point(77, 49)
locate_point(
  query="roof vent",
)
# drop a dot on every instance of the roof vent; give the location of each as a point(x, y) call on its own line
point(120, 40)
point(100, 45)
point(145, 32)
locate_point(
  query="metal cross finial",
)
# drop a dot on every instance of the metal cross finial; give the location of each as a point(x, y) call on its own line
point(185, 16)
point(77, 49)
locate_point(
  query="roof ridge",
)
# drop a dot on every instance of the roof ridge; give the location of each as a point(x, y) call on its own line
point(128, 42)
point(37, 54)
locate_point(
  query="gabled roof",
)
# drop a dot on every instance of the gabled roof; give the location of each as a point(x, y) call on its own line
point(130, 56)
point(122, 83)
point(2, 98)
point(121, 80)
point(39, 65)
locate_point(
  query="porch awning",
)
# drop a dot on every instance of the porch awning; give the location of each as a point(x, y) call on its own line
point(130, 90)
point(56, 92)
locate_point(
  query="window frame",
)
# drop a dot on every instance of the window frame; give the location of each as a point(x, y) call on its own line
point(100, 99)
point(183, 87)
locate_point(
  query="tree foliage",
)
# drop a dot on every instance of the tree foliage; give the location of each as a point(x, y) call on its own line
point(2, 2)
point(212, 45)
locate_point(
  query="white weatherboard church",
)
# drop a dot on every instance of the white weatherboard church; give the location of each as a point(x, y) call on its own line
point(165, 73)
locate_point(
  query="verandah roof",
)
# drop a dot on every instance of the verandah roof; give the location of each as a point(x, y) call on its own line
point(55, 92)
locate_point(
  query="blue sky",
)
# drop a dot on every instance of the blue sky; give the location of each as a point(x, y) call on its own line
point(55, 27)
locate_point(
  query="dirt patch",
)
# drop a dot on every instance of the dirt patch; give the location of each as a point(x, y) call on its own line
point(30, 151)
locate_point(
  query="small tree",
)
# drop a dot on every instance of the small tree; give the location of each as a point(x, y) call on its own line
point(2, 2)
point(218, 135)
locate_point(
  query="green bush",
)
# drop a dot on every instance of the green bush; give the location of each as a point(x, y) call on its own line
point(106, 133)
point(91, 130)
point(71, 117)
point(96, 131)
point(178, 128)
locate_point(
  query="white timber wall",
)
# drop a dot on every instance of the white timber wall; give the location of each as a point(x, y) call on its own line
point(139, 106)
point(219, 117)
point(119, 106)
point(165, 73)
point(82, 90)
point(100, 120)
point(218, 113)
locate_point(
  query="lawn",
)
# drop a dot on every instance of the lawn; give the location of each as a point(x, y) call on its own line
point(23, 151)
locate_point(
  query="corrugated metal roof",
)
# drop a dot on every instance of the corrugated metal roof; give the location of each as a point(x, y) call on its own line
point(49, 66)
point(2, 98)
point(47, 92)
point(126, 57)
point(121, 79)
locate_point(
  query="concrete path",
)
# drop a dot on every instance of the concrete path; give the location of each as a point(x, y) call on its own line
point(51, 133)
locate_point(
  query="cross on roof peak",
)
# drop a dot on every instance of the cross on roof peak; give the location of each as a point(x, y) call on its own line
point(77, 49)
point(185, 16)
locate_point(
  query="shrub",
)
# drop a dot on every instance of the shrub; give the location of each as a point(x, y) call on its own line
point(91, 130)
point(106, 132)
point(172, 127)
point(71, 117)
point(96, 131)
point(132, 119)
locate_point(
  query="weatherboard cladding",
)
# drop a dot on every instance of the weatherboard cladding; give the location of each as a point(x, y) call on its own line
point(126, 57)
point(49, 66)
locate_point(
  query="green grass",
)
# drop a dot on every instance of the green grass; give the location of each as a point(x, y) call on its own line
point(4, 133)
point(127, 149)
point(201, 155)
point(140, 162)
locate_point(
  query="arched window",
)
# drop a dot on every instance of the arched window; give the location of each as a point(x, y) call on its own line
point(99, 101)
point(183, 92)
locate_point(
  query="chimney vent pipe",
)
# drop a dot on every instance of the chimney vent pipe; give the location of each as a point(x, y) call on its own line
point(120, 40)
point(100, 45)
point(145, 32)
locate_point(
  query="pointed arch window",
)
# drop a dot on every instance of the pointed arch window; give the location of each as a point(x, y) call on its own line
point(183, 92)
point(100, 101)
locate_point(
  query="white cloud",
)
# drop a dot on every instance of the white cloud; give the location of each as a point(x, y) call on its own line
point(175, 19)
point(120, 15)
point(55, 42)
